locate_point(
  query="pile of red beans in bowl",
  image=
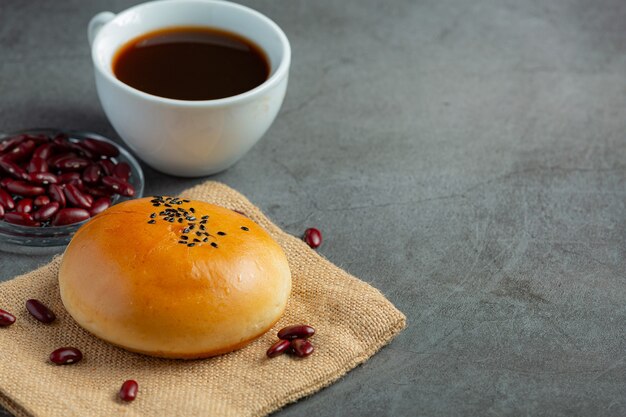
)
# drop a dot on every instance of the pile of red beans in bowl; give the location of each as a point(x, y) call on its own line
point(55, 179)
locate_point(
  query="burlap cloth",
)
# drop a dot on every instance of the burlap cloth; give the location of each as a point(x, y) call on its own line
point(353, 320)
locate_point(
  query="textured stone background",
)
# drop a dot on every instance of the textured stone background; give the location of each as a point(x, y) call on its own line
point(465, 157)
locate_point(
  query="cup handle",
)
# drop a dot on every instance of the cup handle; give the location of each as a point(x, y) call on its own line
point(96, 23)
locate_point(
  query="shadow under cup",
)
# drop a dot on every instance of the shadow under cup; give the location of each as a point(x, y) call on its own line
point(189, 138)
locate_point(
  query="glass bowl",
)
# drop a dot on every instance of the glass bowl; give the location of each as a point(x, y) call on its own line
point(61, 235)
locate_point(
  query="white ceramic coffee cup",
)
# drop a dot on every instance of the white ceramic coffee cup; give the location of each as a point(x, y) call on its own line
point(188, 138)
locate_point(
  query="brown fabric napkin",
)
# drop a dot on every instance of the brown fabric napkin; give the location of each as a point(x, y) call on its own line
point(352, 319)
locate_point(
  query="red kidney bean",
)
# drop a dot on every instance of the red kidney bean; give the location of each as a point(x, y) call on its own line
point(71, 163)
point(91, 174)
point(100, 147)
point(122, 171)
point(107, 166)
point(22, 151)
point(44, 151)
point(99, 191)
point(37, 165)
point(297, 331)
point(100, 205)
point(40, 311)
point(24, 189)
point(46, 212)
point(6, 200)
point(86, 184)
point(129, 390)
point(61, 139)
point(83, 151)
point(66, 356)
point(278, 348)
point(42, 178)
point(70, 216)
point(12, 168)
point(301, 347)
point(25, 205)
point(6, 318)
point(313, 237)
point(56, 194)
point(54, 160)
point(77, 183)
point(39, 138)
point(10, 143)
point(23, 219)
point(119, 186)
point(41, 201)
point(68, 177)
point(76, 197)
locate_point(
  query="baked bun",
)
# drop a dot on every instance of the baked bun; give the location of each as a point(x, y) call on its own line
point(141, 278)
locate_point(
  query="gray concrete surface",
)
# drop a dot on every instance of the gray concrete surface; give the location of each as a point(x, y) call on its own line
point(465, 157)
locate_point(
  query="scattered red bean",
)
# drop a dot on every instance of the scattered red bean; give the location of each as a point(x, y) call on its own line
point(294, 341)
point(301, 347)
point(129, 390)
point(297, 331)
point(313, 237)
point(39, 311)
point(278, 348)
point(69, 216)
point(37, 170)
point(66, 356)
point(25, 205)
point(6, 318)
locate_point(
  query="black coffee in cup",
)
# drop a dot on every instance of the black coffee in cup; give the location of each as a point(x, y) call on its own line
point(191, 63)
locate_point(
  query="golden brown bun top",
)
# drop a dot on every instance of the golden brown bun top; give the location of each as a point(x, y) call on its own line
point(164, 268)
point(208, 239)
